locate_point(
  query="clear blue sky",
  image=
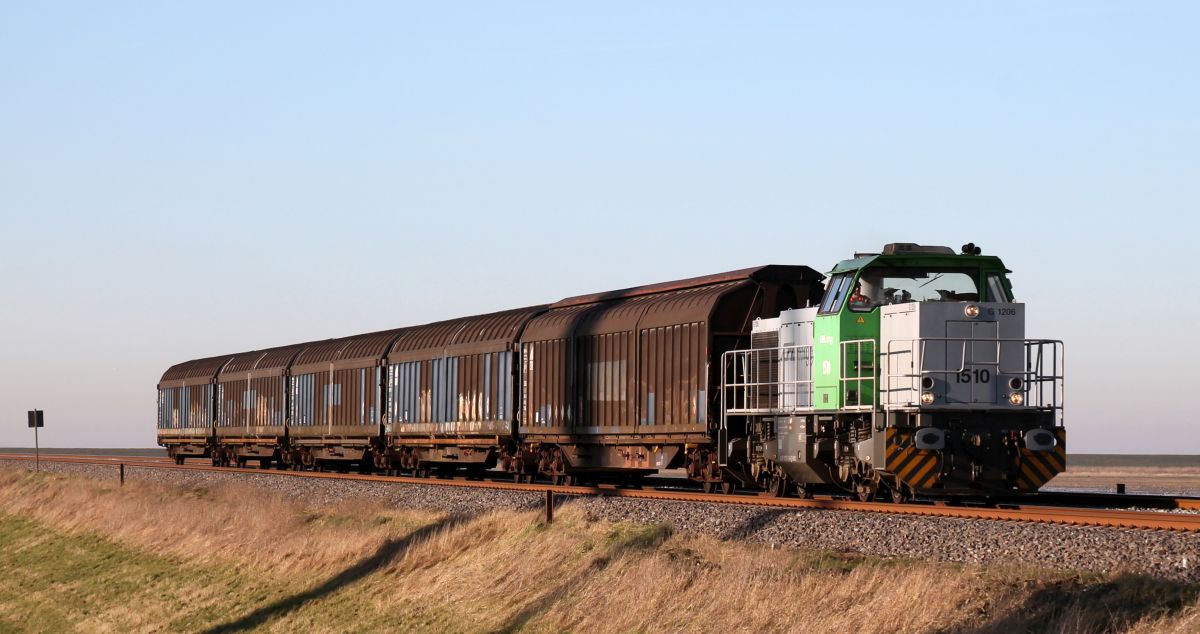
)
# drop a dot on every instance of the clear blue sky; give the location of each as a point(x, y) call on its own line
point(184, 179)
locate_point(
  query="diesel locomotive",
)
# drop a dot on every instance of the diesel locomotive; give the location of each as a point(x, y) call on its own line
point(902, 373)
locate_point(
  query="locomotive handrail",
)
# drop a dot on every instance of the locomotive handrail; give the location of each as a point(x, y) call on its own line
point(750, 392)
point(736, 364)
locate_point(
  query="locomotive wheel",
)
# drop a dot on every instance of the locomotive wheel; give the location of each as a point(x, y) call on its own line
point(896, 494)
point(804, 490)
point(777, 486)
point(864, 492)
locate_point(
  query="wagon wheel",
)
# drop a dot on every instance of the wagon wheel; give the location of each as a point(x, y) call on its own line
point(728, 487)
point(710, 487)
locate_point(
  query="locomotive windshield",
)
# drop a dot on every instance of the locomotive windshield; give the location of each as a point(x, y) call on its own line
point(879, 286)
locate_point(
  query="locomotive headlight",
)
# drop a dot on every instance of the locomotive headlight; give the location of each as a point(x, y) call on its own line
point(927, 398)
point(971, 310)
point(1016, 398)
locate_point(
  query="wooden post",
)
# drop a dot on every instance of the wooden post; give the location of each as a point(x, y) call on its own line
point(122, 474)
point(549, 506)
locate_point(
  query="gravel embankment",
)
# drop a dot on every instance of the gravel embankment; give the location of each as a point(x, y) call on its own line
point(1158, 553)
point(317, 491)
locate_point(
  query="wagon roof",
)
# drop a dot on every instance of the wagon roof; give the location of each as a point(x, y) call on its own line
point(492, 332)
point(669, 303)
point(767, 273)
point(194, 372)
point(272, 361)
point(355, 351)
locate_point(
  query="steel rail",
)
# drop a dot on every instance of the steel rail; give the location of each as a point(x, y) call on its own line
point(1147, 520)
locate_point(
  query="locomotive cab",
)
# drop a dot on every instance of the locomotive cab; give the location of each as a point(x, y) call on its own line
point(908, 304)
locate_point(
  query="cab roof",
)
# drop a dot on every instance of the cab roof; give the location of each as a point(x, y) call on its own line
point(909, 254)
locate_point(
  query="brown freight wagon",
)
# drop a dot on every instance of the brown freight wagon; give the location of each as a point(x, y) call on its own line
point(627, 380)
point(185, 407)
point(451, 390)
point(335, 405)
point(252, 393)
point(621, 382)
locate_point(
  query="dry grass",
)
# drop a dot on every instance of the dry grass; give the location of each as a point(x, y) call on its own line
point(284, 567)
point(239, 524)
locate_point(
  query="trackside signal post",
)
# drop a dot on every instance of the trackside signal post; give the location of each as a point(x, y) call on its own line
point(36, 421)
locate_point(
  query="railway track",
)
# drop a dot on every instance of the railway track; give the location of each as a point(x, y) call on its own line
point(1055, 508)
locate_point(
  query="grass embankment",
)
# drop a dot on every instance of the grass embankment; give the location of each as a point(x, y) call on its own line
point(82, 555)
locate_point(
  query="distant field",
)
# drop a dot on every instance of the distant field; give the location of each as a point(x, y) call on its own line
point(1132, 460)
point(154, 452)
point(1163, 474)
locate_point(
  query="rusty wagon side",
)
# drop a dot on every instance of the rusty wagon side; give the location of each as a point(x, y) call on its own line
point(626, 380)
point(336, 404)
point(252, 397)
point(451, 392)
point(186, 407)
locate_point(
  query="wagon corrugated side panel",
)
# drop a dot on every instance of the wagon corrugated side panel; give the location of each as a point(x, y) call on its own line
point(639, 361)
point(336, 389)
point(253, 395)
point(547, 376)
point(456, 378)
point(674, 337)
point(186, 396)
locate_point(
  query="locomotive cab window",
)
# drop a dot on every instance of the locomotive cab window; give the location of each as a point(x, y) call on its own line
point(880, 286)
point(995, 289)
point(835, 293)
